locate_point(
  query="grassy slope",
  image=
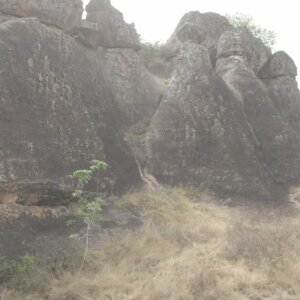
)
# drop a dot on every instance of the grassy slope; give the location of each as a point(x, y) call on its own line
point(191, 247)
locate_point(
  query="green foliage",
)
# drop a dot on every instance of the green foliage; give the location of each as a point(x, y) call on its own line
point(268, 37)
point(89, 208)
point(84, 176)
point(22, 275)
point(156, 52)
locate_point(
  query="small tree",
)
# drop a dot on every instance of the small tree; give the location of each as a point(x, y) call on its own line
point(268, 37)
point(89, 203)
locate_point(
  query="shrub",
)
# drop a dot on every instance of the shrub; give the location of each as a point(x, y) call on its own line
point(156, 52)
point(268, 37)
point(22, 275)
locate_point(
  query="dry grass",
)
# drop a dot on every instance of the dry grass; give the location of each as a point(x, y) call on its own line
point(192, 250)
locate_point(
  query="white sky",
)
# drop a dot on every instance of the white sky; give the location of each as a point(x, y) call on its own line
point(155, 20)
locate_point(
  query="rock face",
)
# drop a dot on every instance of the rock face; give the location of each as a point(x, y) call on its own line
point(113, 31)
point(199, 135)
point(64, 14)
point(72, 90)
point(279, 74)
point(136, 91)
point(239, 49)
point(57, 110)
point(235, 136)
point(279, 65)
point(204, 29)
point(278, 142)
point(227, 118)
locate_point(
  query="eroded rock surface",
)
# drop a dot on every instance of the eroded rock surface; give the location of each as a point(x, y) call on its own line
point(198, 133)
point(278, 142)
point(57, 110)
point(65, 14)
point(114, 32)
point(199, 28)
point(279, 76)
point(74, 90)
point(136, 91)
point(234, 136)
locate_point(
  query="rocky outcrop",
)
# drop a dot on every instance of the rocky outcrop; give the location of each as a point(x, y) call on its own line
point(64, 14)
point(279, 65)
point(87, 33)
point(204, 29)
point(238, 49)
point(198, 134)
point(136, 91)
point(114, 32)
point(278, 142)
point(57, 111)
point(234, 136)
point(279, 74)
point(227, 117)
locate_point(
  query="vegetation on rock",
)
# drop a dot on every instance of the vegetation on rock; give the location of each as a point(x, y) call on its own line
point(268, 37)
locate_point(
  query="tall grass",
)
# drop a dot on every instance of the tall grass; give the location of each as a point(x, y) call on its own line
point(190, 250)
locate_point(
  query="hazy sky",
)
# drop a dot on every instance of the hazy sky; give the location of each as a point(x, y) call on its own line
point(155, 20)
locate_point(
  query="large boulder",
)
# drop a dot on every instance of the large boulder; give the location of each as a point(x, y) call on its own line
point(57, 113)
point(238, 48)
point(114, 32)
point(64, 14)
point(277, 142)
point(279, 74)
point(199, 134)
point(199, 28)
point(280, 64)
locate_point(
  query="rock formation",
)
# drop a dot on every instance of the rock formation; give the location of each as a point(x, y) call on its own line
point(63, 105)
point(277, 142)
point(113, 31)
point(74, 90)
point(64, 14)
point(200, 123)
point(234, 135)
point(199, 28)
point(279, 74)
point(66, 99)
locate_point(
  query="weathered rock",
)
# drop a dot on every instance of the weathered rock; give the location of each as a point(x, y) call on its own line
point(64, 14)
point(136, 91)
point(278, 143)
point(36, 230)
point(279, 65)
point(239, 49)
point(62, 105)
point(279, 76)
point(262, 54)
point(88, 34)
point(4, 17)
point(199, 135)
point(114, 32)
point(57, 111)
point(204, 29)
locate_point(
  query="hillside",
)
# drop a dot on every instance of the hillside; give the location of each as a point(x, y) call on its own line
point(189, 245)
point(197, 141)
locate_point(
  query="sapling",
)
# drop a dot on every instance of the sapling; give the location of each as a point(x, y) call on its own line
point(89, 203)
